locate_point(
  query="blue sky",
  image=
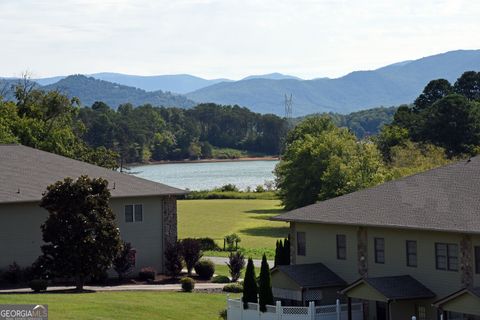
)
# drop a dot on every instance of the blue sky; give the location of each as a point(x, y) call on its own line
point(226, 38)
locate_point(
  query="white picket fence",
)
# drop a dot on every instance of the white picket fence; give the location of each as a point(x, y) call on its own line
point(235, 311)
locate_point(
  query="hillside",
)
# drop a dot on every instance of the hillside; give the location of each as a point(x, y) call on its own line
point(90, 90)
point(391, 85)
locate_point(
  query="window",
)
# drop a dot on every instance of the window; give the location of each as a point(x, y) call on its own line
point(446, 256)
point(421, 312)
point(379, 250)
point(133, 213)
point(477, 260)
point(301, 243)
point(341, 246)
point(411, 253)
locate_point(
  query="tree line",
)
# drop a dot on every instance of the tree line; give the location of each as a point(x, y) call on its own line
point(321, 161)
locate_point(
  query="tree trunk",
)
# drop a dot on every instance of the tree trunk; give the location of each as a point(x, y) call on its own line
point(79, 282)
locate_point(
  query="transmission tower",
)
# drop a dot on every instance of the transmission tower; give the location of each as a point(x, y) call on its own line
point(288, 107)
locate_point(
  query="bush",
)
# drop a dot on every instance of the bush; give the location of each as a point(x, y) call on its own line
point(188, 284)
point(236, 263)
point(191, 253)
point(173, 260)
point(233, 287)
point(147, 273)
point(207, 244)
point(38, 285)
point(205, 269)
point(221, 279)
point(13, 274)
point(259, 189)
point(228, 187)
point(125, 260)
point(231, 241)
point(222, 314)
point(99, 278)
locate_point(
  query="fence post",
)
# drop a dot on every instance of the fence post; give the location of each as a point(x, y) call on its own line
point(278, 310)
point(311, 310)
point(338, 309)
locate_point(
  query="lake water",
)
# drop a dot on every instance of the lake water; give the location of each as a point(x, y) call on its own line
point(208, 175)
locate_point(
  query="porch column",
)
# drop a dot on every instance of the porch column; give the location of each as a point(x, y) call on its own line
point(387, 311)
point(349, 308)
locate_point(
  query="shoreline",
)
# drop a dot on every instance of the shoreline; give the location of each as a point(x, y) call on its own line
point(271, 158)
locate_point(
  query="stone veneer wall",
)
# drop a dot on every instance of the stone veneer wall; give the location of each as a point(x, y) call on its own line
point(362, 249)
point(293, 244)
point(466, 261)
point(169, 214)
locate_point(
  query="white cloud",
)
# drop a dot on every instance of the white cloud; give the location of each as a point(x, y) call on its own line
point(227, 38)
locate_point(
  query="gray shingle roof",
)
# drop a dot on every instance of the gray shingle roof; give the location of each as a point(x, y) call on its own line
point(444, 199)
point(396, 287)
point(26, 172)
point(313, 275)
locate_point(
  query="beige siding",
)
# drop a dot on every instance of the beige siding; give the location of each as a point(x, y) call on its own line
point(321, 247)
point(466, 303)
point(20, 234)
point(282, 281)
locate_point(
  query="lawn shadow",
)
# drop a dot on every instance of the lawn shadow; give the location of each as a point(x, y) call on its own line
point(266, 211)
point(273, 232)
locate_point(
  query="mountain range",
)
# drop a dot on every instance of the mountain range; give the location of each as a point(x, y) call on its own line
point(394, 84)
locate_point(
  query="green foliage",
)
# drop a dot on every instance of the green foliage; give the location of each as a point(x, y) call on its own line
point(321, 161)
point(232, 241)
point(282, 252)
point(207, 244)
point(188, 284)
point(389, 137)
point(233, 287)
point(80, 234)
point(147, 273)
point(220, 279)
point(265, 294)
point(222, 314)
point(268, 195)
point(250, 288)
point(38, 285)
point(173, 259)
point(205, 269)
point(124, 261)
point(191, 253)
point(236, 263)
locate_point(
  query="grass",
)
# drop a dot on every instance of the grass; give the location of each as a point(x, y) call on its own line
point(213, 194)
point(222, 270)
point(247, 218)
point(125, 305)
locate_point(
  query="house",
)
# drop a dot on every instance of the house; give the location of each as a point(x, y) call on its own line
point(146, 211)
point(409, 247)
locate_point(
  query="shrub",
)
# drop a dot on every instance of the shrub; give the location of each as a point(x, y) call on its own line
point(229, 187)
point(173, 260)
point(13, 274)
point(231, 241)
point(125, 260)
point(100, 277)
point(220, 279)
point(233, 287)
point(222, 314)
point(205, 269)
point(191, 253)
point(188, 284)
point(38, 285)
point(207, 244)
point(147, 273)
point(259, 189)
point(236, 263)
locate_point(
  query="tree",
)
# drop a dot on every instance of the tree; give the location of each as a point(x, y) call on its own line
point(124, 262)
point(236, 263)
point(173, 259)
point(80, 234)
point(278, 253)
point(191, 253)
point(250, 288)
point(468, 85)
point(434, 91)
point(286, 251)
point(389, 137)
point(265, 295)
point(321, 161)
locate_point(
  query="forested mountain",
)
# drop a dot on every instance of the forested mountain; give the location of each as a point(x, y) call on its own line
point(89, 90)
point(391, 85)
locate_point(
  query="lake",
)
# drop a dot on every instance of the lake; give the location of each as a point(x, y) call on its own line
point(208, 175)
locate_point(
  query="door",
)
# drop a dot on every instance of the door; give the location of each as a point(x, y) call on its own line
point(381, 310)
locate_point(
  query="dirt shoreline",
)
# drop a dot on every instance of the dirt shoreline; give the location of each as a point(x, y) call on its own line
point(203, 161)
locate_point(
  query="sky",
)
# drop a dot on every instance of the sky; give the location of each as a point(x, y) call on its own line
point(227, 38)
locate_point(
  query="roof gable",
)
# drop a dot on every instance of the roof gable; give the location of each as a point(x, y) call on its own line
point(313, 275)
point(442, 199)
point(26, 172)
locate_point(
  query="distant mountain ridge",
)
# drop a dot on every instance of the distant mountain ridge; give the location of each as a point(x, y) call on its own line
point(390, 85)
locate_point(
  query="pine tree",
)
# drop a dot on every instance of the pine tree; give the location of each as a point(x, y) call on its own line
point(278, 253)
point(265, 293)
point(286, 250)
point(250, 288)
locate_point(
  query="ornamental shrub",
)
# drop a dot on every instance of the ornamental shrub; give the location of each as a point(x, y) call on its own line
point(38, 285)
point(147, 273)
point(220, 279)
point(233, 287)
point(205, 269)
point(188, 284)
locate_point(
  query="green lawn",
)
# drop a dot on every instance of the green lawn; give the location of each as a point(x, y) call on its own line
point(125, 305)
point(222, 270)
point(248, 218)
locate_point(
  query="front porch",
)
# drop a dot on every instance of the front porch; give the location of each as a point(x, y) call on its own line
point(460, 305)
point(392, 298)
